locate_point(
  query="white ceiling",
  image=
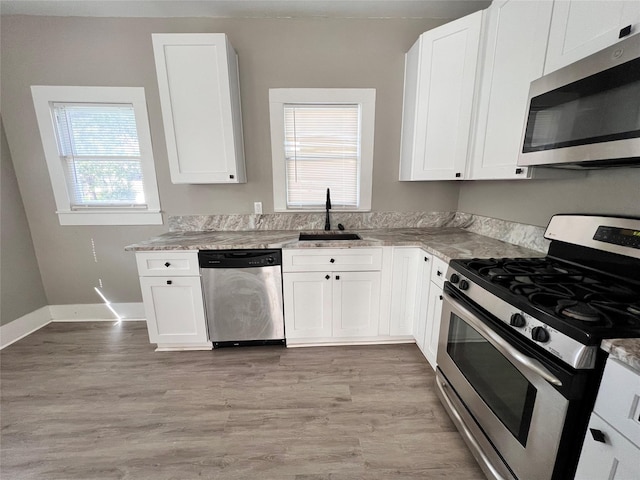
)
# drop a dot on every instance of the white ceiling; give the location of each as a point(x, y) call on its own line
point(444, 9)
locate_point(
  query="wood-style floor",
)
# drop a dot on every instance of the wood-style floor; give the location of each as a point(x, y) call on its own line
point(94, 401)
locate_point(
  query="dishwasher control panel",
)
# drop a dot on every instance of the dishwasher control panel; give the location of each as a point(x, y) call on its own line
point(239, 258)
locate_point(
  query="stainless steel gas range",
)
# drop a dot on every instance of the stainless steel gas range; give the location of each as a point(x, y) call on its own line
point(519, 362)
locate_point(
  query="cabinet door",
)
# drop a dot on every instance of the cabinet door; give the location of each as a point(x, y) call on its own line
point(174, 310)
point(615, 458)
point(511, 28)
point(356, 304)
point(580, 28)
point(433, 324)
point(200, 100)
point(307, 304)
point(424, 283)
point(440, 72)
point(404, 290)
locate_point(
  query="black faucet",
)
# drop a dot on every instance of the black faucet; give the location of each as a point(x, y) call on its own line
point(327, 222)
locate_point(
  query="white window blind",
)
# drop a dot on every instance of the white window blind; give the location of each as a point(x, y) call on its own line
point(98, 145)
point(322, 150)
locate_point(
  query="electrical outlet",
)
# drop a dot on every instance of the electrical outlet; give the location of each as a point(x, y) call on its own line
point(257, 208)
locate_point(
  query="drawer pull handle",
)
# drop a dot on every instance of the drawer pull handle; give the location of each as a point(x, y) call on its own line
point(598, 436)
point(426, 259)
point(327, 277)
point(440, 297)
point(333, 260)
point(625, 31)
point(167, 264)
point(439, 273)
point(169, 282)
point(337, 277)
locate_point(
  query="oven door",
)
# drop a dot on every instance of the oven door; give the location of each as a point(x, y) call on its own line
point(502, 400)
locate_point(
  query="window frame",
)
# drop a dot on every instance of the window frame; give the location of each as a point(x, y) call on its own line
point(364, 97)
point(44, 97)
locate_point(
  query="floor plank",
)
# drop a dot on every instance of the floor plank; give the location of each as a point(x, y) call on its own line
point(94, 401)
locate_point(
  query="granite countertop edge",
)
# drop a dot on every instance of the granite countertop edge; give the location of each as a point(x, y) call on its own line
point(625, 350)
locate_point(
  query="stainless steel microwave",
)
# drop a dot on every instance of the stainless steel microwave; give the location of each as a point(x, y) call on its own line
point(587, 114)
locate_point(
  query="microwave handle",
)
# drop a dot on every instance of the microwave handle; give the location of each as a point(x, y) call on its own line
point(529, 363)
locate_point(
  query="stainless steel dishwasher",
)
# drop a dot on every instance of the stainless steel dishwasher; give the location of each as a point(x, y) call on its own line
point(243, 296)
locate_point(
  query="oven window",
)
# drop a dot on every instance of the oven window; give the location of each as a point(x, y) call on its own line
point(502, 387)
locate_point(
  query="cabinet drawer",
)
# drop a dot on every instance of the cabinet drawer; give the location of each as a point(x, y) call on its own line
point(438, 271)
point(618, 400)
point(154, 264)
point(331, 259)
point(615, 458)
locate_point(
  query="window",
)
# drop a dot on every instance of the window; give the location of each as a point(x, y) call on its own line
point(98, 151)
point(322, 138)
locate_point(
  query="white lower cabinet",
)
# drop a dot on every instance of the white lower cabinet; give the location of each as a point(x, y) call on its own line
point(307, 305)
point(432, 330)
point(424, 288)
point(611, 449)
point(404, 291)
point(416, 298)
point(434, 310)
point(173, 302)
point(326, 306)
point(321, 305)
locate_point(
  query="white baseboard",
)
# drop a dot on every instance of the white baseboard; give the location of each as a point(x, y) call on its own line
point(93, 312)
point(96, 312)
point(23, 326)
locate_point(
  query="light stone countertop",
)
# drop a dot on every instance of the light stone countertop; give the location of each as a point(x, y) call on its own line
point(625, 350)
point(444, 242)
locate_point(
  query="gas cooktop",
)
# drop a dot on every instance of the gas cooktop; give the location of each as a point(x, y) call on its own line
point(584, 304)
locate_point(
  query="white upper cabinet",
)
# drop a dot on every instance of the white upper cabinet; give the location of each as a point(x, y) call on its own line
point(580, 28)
point(514, 43)
point(440, 72)
point(200, 99)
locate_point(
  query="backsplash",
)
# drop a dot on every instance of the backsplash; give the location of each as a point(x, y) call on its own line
point(528, 236)
point(310, 221)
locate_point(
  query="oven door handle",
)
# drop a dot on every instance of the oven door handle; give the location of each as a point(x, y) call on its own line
point(503, 346)
point(467, 433)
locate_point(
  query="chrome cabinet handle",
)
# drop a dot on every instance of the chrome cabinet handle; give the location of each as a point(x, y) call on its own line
point(332, 260)
point(465, 431)
point(504, 347)
point(167, 264)
point(327, 277)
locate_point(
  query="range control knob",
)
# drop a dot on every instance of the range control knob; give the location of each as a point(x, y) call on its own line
point(540, 334)
point(455, 278)
point(464, 285)
point(517, 320)
point(270, 260)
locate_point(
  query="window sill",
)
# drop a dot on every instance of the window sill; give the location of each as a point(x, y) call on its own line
point(115, 217)
point(321, 210)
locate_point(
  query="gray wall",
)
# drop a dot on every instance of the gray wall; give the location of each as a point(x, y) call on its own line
point(21, 290)
point(613, 191)
point(118, 52)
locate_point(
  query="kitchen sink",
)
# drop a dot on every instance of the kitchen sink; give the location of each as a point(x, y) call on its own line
point(314, 237)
